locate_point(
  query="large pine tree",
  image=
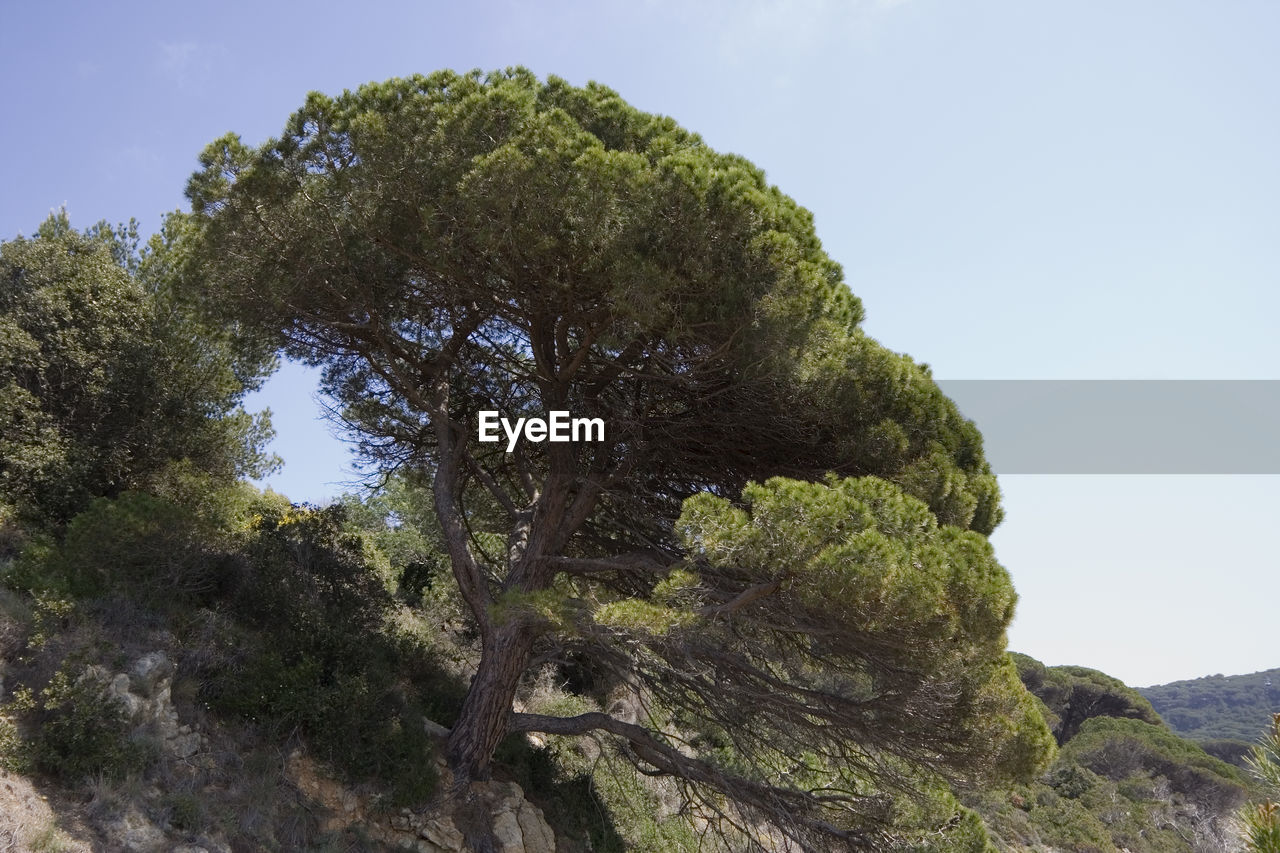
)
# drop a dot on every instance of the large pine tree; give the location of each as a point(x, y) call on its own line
point(779, 548)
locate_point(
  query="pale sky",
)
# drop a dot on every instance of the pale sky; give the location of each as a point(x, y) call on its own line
point(1057, 190)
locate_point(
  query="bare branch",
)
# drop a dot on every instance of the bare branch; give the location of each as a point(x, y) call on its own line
point(783, 805)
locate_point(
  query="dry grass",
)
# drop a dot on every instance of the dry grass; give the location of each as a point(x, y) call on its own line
point(29, 822)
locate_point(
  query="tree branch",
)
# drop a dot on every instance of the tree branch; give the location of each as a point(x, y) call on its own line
point(632, 561)
point(742, 599)
point(781, 805)
point(499, 494)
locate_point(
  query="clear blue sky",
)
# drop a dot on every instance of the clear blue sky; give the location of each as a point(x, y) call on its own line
point(1070, 190)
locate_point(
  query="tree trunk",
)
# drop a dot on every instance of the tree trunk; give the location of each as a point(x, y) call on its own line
point(487, 709)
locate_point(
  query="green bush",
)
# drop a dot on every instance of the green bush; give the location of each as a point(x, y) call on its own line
point(138, 545)
point(1070, 825)
point(314, 653)
point(1118, 749)
point(107, 374)
point(1071, 780)
point(14, 755)
point(78, 730)
point(185, 811)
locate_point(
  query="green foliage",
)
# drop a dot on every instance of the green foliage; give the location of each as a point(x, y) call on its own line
point(316, 654)
point(105, 376)
point(1070, 823)
point(903, 605)
point(312, 579)
point(77, 729)
point(50, 614)
point(948, 826)
point(1121, 781)
point(399, 520)
point(1231, 751)
point(185, 811)
point(1119, 748)
point(1074, 694)
point(17, 621)
point(1233, 707)
point(1262, 827)
point(137, 545)
point(614, 233)
point(14, 754)
point(615, 806)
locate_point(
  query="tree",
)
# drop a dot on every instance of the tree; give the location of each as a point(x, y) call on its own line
point(451, 244)
point(106, 375)
point(1073, 695)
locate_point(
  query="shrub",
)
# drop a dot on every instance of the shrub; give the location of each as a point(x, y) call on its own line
point(1074, 694)
point(315, 654)
point(1118, 749)
point(79, 730)
point(106, 375)
point(137, 545)
point(184, 810)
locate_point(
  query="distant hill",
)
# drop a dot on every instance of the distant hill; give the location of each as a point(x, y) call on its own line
point(1235, 707)
point(1122, 779)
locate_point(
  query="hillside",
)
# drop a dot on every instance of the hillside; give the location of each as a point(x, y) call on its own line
point(1122, 779)
point(329, 656)
point(1235, 707)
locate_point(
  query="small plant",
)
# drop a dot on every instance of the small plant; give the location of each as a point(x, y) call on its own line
point(1262, 820)
point(50, 614)
point(49, 839)
point(13, 754)
point(185, 811)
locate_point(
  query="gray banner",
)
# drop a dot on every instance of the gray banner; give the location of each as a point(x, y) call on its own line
point(1124, 426)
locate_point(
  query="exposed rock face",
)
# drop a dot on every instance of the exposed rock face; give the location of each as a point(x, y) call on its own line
point(144, 693)
point(496, 810)
point(518, 825)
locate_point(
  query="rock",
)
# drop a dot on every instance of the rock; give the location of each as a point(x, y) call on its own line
point(506, 829)
point(144, 694)
point(518, 825)
point(536, 832)
point(184, 745)
point(149, 670)
point(119, 690)
point(135, 833)
point(213, 844)
point(435, 729)
point(442, 835)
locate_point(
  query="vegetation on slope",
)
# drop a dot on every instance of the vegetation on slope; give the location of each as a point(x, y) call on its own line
point(341, 630)
point(1219, 707)
point(1122, 780)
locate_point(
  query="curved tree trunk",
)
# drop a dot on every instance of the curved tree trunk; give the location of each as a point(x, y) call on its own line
point(486, 711)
